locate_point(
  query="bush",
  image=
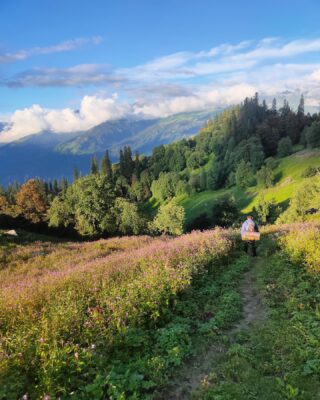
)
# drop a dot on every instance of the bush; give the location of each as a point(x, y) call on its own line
point(310, 172)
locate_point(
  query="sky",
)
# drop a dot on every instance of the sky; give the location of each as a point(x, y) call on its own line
point(69, 65)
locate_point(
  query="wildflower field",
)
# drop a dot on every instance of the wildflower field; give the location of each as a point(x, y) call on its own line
point(97, 319)
point(117, 318)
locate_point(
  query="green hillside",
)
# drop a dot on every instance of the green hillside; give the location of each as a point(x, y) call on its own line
point(288, 177)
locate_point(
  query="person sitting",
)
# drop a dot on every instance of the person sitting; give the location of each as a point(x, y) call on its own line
point(250, 225)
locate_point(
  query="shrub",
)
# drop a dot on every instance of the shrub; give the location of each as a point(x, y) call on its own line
point(310, 172)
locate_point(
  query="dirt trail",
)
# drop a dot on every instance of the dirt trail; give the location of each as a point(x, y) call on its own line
point(195, 371)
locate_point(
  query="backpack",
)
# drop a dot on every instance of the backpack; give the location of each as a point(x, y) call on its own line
point(251, 227)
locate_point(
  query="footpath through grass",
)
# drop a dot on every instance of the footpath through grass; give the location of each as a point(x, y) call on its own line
point(277, 358)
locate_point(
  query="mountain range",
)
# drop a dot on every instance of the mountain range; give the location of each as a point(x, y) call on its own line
point(50, 155)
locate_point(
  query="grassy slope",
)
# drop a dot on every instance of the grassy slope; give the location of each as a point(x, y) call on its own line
point(288, 176)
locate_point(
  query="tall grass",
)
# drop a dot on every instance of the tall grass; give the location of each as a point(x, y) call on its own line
point(67, 309)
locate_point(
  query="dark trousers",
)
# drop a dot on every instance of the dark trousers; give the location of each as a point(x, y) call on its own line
point(250, 248)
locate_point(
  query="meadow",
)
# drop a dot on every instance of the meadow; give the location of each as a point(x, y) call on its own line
point(102, 318)
point(117, 318)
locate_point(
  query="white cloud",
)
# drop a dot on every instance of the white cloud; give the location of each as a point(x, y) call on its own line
point(179, 82)
point(64, 46)
point(93, 111)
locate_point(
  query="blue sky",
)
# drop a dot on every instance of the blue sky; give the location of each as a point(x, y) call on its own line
point(69, 65)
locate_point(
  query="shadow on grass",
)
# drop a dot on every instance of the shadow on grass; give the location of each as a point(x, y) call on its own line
point(284, 204)
point(277, 177)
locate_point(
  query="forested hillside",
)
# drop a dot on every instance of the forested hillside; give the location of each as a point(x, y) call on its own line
point(240, 161)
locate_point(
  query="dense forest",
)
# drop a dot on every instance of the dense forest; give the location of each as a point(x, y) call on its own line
point(238, 147)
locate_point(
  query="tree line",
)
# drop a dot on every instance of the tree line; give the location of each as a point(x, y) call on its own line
point(238, 147)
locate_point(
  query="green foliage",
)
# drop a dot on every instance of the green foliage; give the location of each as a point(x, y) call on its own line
point(284, 147)
point(266, 211)
point(271, 163)
point(244, 175)
point(165, 186)
point(304, 201)
point(95, 326)
point(106, 167)
point(278, 357)
point(94, 169)
point(225, 212)
point(265, 177)
point(196, 160)
point(170, 219)
point(127, 217)
point(312, 134)
point(87, 205)
point(310, 171)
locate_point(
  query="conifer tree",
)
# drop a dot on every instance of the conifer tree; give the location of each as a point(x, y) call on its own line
point(274, 106)
point(75, 174)
point(106, 167)
point(94, 166)
point(300, 112)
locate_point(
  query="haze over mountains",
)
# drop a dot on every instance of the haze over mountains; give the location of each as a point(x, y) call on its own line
point(51, 155)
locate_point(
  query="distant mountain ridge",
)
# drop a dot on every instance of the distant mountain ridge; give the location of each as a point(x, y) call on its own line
point(103, 136)
point(49, 155)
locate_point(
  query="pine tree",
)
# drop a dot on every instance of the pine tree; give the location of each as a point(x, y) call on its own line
point(63, 184)
point(274, 106)
point(75, 174)
point(137, 169)
point(121, 163)
point(56, 189)
point(106, 167)
point(300, 112)
point(94, 166)
point(128, 162)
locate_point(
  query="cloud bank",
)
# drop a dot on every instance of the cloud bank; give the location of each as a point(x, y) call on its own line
point(179, 82)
